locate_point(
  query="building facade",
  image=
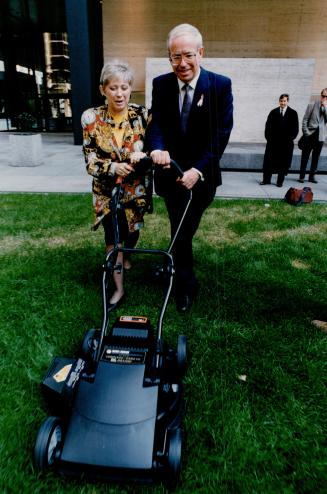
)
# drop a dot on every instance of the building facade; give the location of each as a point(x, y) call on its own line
point(52, 51)
point(50, 58)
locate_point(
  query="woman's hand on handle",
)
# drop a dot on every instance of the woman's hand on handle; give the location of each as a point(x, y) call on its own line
point(136, 156)
point(123, 169)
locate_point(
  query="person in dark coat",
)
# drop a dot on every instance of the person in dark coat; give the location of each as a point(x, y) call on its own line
point(281, 129)
point(192, 118)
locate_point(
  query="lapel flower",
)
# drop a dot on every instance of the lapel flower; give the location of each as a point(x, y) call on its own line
point(200, 102)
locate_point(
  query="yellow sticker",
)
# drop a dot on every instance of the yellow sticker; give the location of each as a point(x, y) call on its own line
point(61, 375)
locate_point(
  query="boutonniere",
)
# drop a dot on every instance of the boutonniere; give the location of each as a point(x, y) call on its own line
point(200, 102)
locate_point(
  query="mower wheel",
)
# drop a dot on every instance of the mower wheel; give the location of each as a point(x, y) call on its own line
point(174, 453)
point(181, 354)
point(48, 443)
point(90, 343)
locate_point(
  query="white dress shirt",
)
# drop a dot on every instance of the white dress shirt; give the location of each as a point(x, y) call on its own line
point(192, 85)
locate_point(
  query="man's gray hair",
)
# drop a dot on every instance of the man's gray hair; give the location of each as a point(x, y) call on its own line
point(116, 68)
point(185, 29)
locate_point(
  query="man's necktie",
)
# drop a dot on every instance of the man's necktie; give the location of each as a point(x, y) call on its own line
point(185, 108)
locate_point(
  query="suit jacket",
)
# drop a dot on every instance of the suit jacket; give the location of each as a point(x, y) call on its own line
point(280, 133)
point(313, 119)
point(209, 126)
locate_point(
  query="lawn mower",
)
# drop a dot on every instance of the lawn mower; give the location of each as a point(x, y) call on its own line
point(117, 407)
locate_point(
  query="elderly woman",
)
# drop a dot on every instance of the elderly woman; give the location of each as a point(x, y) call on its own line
point(113, 136)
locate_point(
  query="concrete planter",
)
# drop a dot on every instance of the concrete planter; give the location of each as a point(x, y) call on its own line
point(26, 149)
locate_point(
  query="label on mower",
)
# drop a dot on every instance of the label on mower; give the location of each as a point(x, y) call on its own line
point(117, 356)
point(139, 319)
point(75, 373)
point(62, 374)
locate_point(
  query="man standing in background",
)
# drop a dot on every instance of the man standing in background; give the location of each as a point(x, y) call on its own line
point(314, 129)
point(281, 129)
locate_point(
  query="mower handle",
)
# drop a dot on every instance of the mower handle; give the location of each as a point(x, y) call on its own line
point(143, 161)
point(147, 159)
point(178, 169)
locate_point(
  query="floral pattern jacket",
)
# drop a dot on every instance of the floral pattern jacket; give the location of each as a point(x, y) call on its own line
point(100, 150)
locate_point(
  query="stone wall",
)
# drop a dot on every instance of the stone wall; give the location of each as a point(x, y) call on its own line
point(257, 85)
point(231, 29)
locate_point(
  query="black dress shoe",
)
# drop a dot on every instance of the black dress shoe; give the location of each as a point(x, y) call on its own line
point(313, 180)
point(115, 305)
point(279, 185)
point(265, 183)
point(301, 180)
point(183, 302)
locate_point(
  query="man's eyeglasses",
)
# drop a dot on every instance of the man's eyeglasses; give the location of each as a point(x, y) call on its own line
point(324, 95)
point(177, 58)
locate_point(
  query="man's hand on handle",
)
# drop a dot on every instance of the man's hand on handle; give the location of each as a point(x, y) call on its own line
point(160, 158)
point(189, 178)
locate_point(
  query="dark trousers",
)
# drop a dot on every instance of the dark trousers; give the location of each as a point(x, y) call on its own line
point(267, 178)
point(315, 146)
point(185, 279)
point(116, 232)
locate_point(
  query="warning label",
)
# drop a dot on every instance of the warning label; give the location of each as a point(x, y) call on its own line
point(123, 356)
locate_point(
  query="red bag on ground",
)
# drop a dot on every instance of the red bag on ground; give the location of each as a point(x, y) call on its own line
point(299, 196)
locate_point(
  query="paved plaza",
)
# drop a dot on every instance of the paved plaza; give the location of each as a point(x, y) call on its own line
point(62, 169)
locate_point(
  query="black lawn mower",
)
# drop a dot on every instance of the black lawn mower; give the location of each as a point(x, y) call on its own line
point(117, 407)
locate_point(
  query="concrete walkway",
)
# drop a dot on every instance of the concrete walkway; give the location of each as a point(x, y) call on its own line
point(63, 170)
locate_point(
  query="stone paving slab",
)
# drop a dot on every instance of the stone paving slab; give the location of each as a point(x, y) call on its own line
point(247, 185)
point(63, 170)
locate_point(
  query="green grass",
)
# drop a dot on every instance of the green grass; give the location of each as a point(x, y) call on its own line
point(263, 274)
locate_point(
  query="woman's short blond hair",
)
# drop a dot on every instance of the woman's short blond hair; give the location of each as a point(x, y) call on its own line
point(116, 68)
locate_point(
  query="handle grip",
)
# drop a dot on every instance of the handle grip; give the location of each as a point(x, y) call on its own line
point(140, 166)
point(144, 162)
point(177, 168)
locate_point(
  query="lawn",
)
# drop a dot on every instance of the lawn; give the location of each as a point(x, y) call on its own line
point(255, 388)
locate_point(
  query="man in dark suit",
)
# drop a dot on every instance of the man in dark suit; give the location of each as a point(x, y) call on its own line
point(192, 118)
point(281, 129)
